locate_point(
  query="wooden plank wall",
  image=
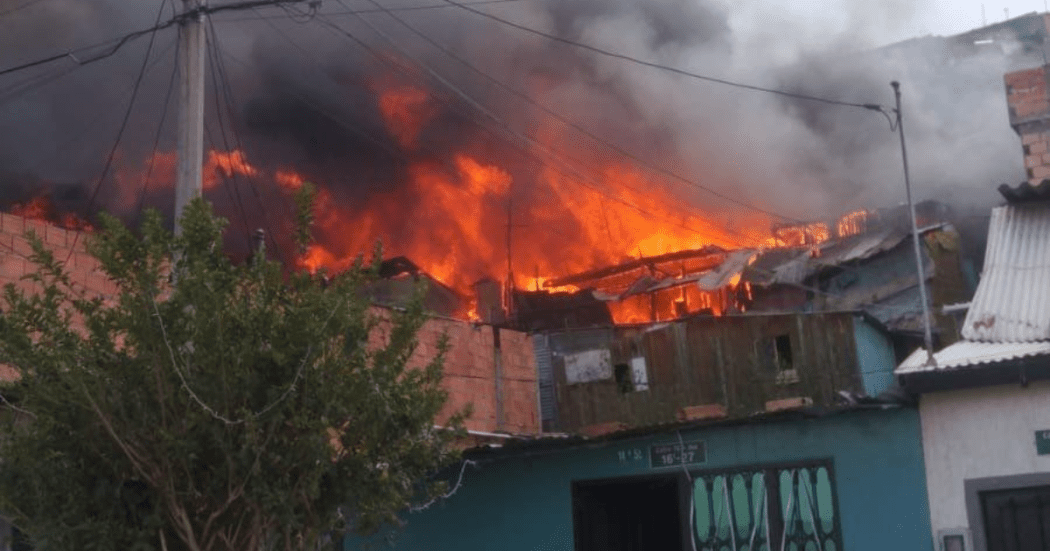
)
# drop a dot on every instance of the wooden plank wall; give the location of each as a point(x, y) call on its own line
point(715, 360)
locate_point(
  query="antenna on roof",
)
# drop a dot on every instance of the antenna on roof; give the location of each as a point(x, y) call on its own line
point(984, 20)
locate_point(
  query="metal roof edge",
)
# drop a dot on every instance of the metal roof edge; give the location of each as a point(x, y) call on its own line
point(541, 444)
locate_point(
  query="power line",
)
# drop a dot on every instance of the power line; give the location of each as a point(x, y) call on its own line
point(676, 70)
point(160, 128)
point(20, 8)
point(227, 92)
point(233, 179)
point(582, 130)
point(123, 126)
point(567, 170)
point(369, 10)
point(117, 43)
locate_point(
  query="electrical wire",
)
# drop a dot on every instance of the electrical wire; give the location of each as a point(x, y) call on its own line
point(20, 7)
point(654, 65)
point(509, 89)
point(101, 113)
point(121, 41)
point(117, 44)
point(227, 92)
point(229, 177)
point(160, 128)
point(371, 10)
point(515, 136)
point(120, 132)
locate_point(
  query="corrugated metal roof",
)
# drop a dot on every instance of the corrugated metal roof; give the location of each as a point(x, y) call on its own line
point(859, 247)
point(970, 354)
point(1012, 302)
point(721, 275)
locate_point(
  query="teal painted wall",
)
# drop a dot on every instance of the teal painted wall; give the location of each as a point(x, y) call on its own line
point(524, 503)
point(874, 357)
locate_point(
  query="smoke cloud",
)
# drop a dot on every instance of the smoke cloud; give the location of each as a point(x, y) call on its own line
point(304, 95)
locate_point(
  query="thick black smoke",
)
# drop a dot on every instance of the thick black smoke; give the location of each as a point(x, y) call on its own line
point(302, 93)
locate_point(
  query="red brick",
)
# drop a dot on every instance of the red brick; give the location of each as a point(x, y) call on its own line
point(789, 403)
point(698, 413)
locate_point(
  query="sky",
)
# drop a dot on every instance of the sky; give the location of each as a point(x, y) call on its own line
point(886, 21)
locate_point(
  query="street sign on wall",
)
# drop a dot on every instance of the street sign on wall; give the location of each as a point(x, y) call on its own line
point(676, 454)
point(1042, 442)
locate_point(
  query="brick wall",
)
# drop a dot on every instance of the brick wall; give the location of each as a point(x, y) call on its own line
point(1026, 94)
point(1029, 106)
point(470, 369)
point(470, 374)
point(15, 251)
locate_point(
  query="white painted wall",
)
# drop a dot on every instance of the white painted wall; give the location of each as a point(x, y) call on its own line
point(979, 433)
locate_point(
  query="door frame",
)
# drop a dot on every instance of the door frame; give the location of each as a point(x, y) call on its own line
point(973, 487)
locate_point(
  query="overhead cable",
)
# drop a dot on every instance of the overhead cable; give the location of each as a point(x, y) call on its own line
point(19, 7)
point(509, 89)
point(120, 132)
point(120, 42)
point(223, 82)
point(566, 169)
point(259, 17)
point(676, 70)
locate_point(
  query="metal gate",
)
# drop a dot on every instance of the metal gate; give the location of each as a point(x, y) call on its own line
point(1017, 519)
point(777, 508)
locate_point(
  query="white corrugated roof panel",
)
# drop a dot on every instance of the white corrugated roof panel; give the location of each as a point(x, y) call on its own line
point(969, 354)
point(1012, 302)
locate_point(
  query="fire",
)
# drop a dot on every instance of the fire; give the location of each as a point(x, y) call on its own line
point(37, 208)
point(41, 208)
point(799, 235)
point(852, 224)
point(221, 165)
point(406, 110)
point(288, 180)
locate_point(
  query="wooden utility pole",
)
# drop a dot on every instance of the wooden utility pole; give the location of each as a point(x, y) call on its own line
point(191, 107)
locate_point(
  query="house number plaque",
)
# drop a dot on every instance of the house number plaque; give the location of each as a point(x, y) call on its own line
point(676, 454)
point(1042, 442)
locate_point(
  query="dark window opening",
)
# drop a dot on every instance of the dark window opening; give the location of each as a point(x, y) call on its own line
point(622, 372)
point(775, 353)
point(628, 515)
point(783, 343)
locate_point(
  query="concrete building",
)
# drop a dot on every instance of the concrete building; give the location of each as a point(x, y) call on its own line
point(985, 401)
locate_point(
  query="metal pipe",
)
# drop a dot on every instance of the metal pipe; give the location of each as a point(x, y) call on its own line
point(928, 332)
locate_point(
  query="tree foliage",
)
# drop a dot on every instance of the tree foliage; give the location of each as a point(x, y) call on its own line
point(210, 405)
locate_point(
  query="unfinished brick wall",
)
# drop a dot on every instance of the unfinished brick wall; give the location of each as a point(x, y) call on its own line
point(14, 261)
point(470, 374)
point(470, 369)
point(15, 251)
point(1029, 106)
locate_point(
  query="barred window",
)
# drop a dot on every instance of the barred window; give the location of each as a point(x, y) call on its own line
point(790, 508)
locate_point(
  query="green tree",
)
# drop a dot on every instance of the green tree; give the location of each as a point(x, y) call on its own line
point(210, 405)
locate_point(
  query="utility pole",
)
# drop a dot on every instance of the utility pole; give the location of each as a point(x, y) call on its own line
point(915, 234)
point(191, 107)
